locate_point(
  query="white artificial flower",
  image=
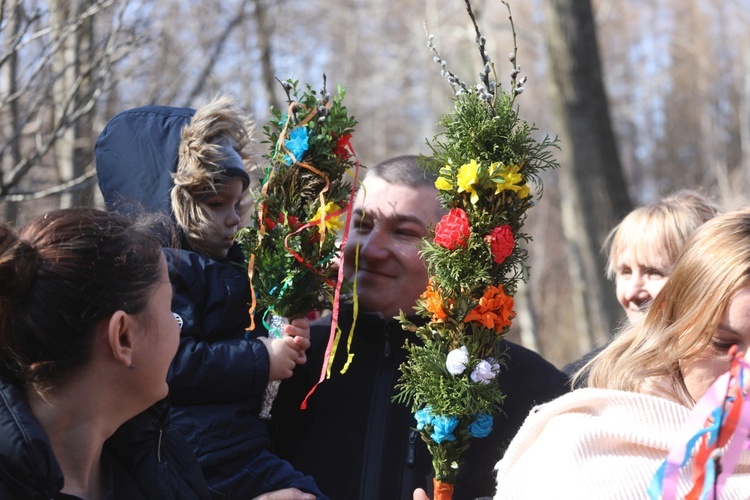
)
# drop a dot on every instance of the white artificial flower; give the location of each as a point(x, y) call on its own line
point(485, 371)
point(456, 360)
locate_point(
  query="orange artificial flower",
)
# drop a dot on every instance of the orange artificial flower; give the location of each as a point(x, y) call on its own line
point(495, 309)
point(433, 303)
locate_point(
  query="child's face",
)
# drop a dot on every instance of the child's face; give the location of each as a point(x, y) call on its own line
point(226, 208)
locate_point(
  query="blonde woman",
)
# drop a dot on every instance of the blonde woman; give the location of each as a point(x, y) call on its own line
point(643, 248)
point(608, 440)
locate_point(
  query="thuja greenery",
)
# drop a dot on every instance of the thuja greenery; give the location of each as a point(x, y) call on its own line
point(487, 160)
point(291, 246)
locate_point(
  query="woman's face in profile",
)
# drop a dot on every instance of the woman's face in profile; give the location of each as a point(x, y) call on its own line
point(158, 343)
point(734, 329)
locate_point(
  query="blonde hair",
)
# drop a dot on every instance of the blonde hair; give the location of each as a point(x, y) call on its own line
point(199, 174)
point(660, 228)
point(647, 355)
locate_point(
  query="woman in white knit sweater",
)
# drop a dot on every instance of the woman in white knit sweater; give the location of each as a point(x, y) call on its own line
point(608, 440)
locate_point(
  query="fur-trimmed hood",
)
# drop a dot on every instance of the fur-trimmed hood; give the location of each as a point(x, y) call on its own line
point(136, 155)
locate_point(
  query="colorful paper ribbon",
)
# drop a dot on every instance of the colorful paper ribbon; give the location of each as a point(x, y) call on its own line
point(334, 336)
point(722, 416)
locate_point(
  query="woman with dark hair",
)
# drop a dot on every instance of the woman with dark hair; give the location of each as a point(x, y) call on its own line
point(86, 338)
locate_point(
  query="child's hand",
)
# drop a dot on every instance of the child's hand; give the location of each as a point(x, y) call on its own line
point(286, 494)
point(282, 356)
point(299, 330)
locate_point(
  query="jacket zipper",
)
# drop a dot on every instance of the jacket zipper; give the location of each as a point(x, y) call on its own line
point(387, 344)
point(158, 447)
point(411, 451)
point(373, 453)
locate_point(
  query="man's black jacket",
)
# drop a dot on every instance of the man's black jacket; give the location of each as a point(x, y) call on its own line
point(357, 443)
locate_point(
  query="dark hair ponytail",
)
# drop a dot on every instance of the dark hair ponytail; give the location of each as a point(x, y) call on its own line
point(60, 276)
point(18, 265)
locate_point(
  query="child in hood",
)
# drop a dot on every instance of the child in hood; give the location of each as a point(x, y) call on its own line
point(192, 165)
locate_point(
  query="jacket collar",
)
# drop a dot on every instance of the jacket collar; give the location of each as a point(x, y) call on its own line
point(25, 450)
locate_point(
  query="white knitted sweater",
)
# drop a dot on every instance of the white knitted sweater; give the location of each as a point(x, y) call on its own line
point(599, 444)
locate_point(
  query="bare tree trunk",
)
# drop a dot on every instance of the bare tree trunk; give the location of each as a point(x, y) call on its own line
point(233, 23)
point(264, 29)
point(526, 317)
point(9, 77)
point(63, 64)
point(73, 64)
point(594, 195)
point(744, 132)
point(85, 135)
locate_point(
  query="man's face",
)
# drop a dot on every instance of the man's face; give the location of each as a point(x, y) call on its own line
point(389, 221)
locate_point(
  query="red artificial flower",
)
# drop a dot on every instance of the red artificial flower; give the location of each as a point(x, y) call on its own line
point(501, 242)
point(453, 229)
point(293, 222)
point(343, 146)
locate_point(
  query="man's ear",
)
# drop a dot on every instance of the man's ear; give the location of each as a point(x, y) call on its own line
point(120, 330)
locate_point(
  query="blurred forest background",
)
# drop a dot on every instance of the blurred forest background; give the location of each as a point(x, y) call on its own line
point(646, 96)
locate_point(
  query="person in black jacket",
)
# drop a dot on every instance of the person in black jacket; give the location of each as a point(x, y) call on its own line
point(86, 338)
point(352, 438)
point(192, 164)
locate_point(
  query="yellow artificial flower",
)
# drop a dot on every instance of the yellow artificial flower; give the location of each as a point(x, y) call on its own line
point(512, 181)
point(467, 177)
point(331, 223)
point(443, 184)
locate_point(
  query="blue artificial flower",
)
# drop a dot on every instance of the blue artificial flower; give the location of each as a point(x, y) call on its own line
point(297, 144)
point(424, 417)
point(481, 427)
point(442, 428)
